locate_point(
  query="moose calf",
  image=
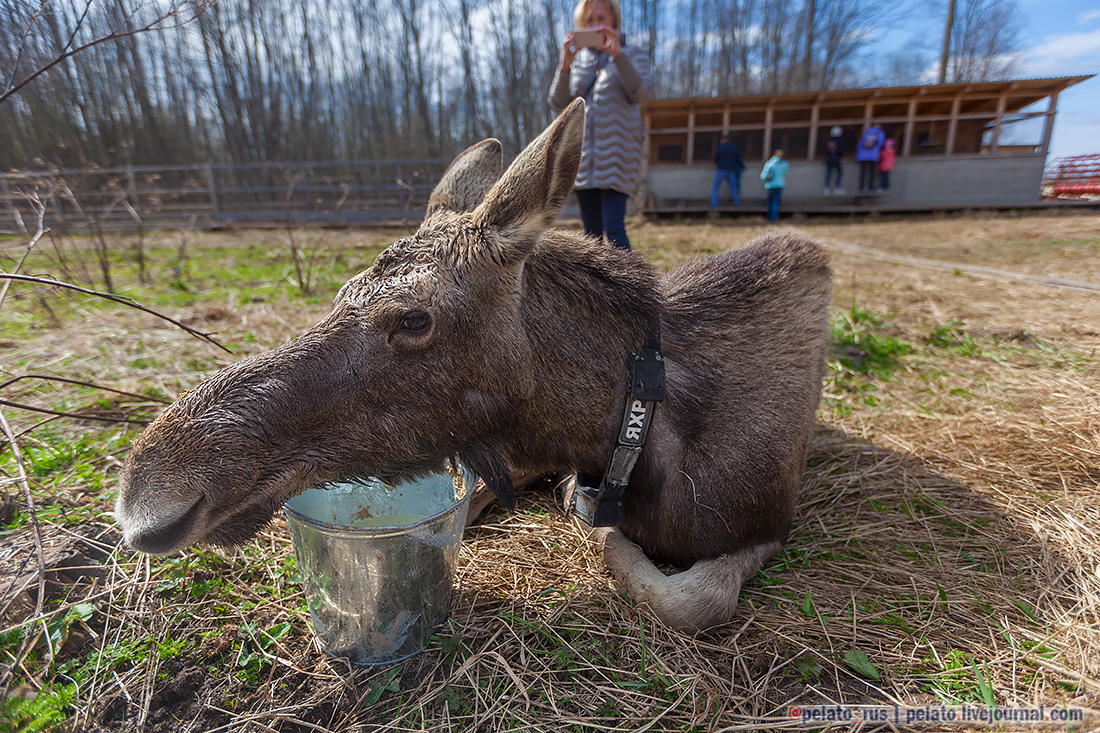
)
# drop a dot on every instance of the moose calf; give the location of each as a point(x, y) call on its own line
point(489, 336)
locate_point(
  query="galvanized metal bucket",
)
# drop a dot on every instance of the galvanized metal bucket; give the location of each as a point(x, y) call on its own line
point(378, 561)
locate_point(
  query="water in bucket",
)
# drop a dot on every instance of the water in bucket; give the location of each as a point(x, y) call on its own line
point(378, 561)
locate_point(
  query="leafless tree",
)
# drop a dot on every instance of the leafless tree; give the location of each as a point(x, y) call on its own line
point(985, 40)
point(70, 29)
point(128, 82)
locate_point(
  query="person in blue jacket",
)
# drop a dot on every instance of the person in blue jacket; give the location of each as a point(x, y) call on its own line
point(728, 160)
point(774, 176)
point(867, 154)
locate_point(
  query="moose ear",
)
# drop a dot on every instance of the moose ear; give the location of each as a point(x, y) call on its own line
point(468, 178)
point(532, 191)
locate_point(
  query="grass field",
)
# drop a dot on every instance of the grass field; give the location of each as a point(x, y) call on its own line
point(944, 549)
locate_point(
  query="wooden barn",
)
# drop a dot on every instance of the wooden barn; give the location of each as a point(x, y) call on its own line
point(959, 145)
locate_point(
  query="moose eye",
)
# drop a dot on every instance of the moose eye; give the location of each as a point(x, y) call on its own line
point(415, 323)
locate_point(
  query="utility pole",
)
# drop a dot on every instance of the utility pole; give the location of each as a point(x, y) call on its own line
point(946, 52)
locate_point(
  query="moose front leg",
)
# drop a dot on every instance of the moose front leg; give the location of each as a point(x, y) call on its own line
point(698, 598)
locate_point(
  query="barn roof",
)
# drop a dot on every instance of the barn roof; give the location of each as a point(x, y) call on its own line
point(1019, 93)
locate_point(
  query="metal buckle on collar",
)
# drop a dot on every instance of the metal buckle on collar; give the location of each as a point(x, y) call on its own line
point(588, 505)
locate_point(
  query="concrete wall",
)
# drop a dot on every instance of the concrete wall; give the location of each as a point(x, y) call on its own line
point(980, 180)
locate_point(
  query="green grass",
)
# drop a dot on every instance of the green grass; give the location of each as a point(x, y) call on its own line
point(959, 680)
point(864, 352)
point(868, 350)
point(953, 339)
point(57, 460)
point(862, 345)
point(213, 273)
point(49, 708)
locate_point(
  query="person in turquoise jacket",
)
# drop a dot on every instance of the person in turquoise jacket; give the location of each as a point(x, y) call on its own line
point(774, 176)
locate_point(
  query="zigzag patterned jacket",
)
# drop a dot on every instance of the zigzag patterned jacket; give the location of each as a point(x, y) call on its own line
point(613, 133)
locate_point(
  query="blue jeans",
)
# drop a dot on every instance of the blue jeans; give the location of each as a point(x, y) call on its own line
point(732, 179)
point(774, 194)
point(831, 168)
point(603, 211)
point(867, 171)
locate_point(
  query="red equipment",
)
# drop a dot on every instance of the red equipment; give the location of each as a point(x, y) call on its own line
point(1076, 176)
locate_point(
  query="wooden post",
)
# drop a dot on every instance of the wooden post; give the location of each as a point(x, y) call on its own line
point(868, 113)
point(212, 184)
point(1048, 123)
point(643, 188)
point(996, 136)
point(9, 197)
point(131, 189)
point(953, 125)
point(690, 157)
point(815, 119)
point(910, 128)
point(726, 118)
point(768, 115)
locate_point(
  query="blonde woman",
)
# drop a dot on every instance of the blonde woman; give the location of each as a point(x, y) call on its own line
point(614, 79)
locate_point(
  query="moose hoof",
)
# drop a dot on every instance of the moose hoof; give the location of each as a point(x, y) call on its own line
point(696, 599)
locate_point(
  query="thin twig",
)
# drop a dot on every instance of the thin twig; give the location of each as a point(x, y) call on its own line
point(76, 415)
point(37, 531)
point(117, 299)
point(79, 383)
point(156, 25)
point(23, 43)
point(40, 210)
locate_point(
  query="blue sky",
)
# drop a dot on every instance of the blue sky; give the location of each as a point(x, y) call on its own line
point(1058, 38)
point(1062, 38)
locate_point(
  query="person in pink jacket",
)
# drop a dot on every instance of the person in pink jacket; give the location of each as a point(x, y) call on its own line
point(886, 164)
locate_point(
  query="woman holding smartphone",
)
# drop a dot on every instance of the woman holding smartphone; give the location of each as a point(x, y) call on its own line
point(614, 79)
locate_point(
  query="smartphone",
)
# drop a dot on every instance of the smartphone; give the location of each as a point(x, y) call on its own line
point(587, 38)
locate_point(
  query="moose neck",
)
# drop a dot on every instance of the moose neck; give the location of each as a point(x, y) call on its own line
point(587, 308)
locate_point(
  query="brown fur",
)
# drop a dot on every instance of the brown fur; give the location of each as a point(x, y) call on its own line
point(488, 336)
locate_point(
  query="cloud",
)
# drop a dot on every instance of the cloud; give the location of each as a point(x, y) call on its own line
point(1072, 53)
point(1088, 17)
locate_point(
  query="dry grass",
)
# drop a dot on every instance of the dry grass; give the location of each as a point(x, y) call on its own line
point(947, 530)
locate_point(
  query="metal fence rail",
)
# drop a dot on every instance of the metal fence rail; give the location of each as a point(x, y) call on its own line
point(218, 195)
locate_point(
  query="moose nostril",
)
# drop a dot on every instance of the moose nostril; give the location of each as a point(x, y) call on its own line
point(164, 538)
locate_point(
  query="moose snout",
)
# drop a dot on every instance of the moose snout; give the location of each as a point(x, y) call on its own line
point(157, 522)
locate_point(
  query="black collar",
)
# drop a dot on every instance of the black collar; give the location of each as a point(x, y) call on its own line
point(598, 501)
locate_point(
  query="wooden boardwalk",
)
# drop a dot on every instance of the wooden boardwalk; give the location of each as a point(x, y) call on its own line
point(846, 205)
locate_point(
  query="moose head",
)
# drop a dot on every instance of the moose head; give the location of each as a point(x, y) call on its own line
point(450, 344)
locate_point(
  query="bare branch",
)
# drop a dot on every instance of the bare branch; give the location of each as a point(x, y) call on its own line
point(81, 384)
point(37, 528)
point(157, 24)
point(75, 415)
point(40, 211)
point(23, 43)
point(117, 299)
